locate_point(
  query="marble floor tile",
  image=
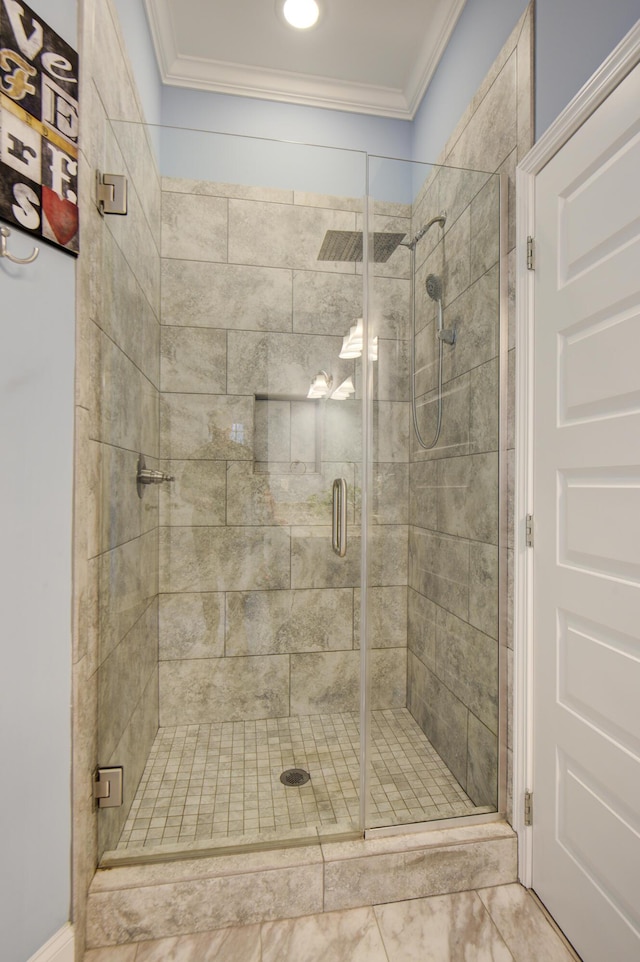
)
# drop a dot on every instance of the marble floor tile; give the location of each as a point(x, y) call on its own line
point(351, 936)
point(116, 953)
point(445, 928)
point(239, 944)
point(523, 925)
point(499, 924)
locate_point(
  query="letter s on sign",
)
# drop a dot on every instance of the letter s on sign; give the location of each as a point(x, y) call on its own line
point(25, 210)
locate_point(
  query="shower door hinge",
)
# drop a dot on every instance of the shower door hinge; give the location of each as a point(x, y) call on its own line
point(107, 787)
point(528, 531)
point(530, 254)
point(528, 808)
point(111, 193)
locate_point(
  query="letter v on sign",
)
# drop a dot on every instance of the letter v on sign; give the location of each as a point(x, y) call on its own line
point(29, 46)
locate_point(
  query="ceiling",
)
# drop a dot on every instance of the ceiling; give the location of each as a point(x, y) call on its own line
point(367, 56)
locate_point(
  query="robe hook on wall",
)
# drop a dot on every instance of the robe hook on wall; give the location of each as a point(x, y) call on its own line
point(4, 234)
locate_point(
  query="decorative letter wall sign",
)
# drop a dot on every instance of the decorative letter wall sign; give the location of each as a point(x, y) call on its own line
point(38, 127)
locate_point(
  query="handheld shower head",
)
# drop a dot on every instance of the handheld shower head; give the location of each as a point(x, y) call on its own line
point(434, 287)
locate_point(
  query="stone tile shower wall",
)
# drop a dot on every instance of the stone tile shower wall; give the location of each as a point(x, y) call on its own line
point(454, 525)
point(117, 417)
point(258, 617)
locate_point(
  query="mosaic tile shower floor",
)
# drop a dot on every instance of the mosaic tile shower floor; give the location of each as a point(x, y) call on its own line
point(210, 785)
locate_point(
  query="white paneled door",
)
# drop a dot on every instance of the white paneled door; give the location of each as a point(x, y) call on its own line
point(586, 827)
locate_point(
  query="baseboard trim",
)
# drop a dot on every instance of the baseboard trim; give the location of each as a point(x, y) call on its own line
point(59, 948)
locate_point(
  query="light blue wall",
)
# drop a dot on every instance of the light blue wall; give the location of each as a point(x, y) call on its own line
point(479, 35)
point(572, 40)
point(36, 440)
point(571, 43)
point(268, 164)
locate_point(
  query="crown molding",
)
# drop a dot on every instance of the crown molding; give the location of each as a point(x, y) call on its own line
point(430, 57)
point(283, 86)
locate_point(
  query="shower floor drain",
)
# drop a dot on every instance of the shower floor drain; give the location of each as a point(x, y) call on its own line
point(295, 777)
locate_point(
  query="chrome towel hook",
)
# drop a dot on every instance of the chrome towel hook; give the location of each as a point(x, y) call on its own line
point(4, 234)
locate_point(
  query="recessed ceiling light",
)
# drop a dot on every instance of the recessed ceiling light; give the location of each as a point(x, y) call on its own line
point(301, 13)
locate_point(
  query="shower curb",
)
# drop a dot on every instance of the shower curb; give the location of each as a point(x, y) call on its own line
point(137, 903)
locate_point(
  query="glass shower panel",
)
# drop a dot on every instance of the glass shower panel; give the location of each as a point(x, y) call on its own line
point(433, 573)
point(254, 636)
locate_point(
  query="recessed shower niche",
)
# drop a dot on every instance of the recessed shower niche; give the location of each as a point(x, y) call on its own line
point(257, 648)
point(287, 433)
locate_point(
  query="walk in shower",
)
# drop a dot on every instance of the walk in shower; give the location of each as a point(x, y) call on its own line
point(300, 601)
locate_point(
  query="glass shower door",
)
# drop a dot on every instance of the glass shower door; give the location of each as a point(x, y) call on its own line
point(435, 572)
point(256, 649)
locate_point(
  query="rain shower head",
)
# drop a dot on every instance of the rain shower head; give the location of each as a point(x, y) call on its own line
point(346, 245)
point(433, 285)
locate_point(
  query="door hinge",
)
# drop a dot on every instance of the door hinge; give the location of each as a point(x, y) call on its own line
point(111, 193)
point(528, 531)
point(530, 254)
point(107, 787)
point(528, 808)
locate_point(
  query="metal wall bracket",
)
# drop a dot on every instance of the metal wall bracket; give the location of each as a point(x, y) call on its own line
point(107, 787)
point(111, 193)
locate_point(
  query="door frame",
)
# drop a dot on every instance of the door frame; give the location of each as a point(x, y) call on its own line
point(615, 68)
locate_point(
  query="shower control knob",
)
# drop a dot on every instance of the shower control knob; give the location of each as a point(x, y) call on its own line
point(147, 476)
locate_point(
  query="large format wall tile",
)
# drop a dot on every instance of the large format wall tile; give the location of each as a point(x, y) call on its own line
point(325, 682)
point(390, 493)
point(197, 496)
point(390, 311)
point(468, 497)
point(483, 587)
point(194, 227)
point(191, 625)
point(127, 582)
point(492, 130)
point(226, 296)
point(440, 713)
point(266, 363)
point(439, 569)
point(390, 431)
point(224, 559)
point(284, 622)
point(326, 303)
point(387, 617)
point(474, 315)
point(314, 564)
point(119, 688)
point(421, 628)
point(467, 663)
point(282, 235)
point(284, 498)
point(134, 515)
point(482, 763)
point(202, 691)
point(388, 674)
point(194, 360)
point(206, 426)
point(124, 312)
point(124, 389)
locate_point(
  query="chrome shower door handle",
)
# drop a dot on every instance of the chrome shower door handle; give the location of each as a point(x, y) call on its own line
point(339, 532)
